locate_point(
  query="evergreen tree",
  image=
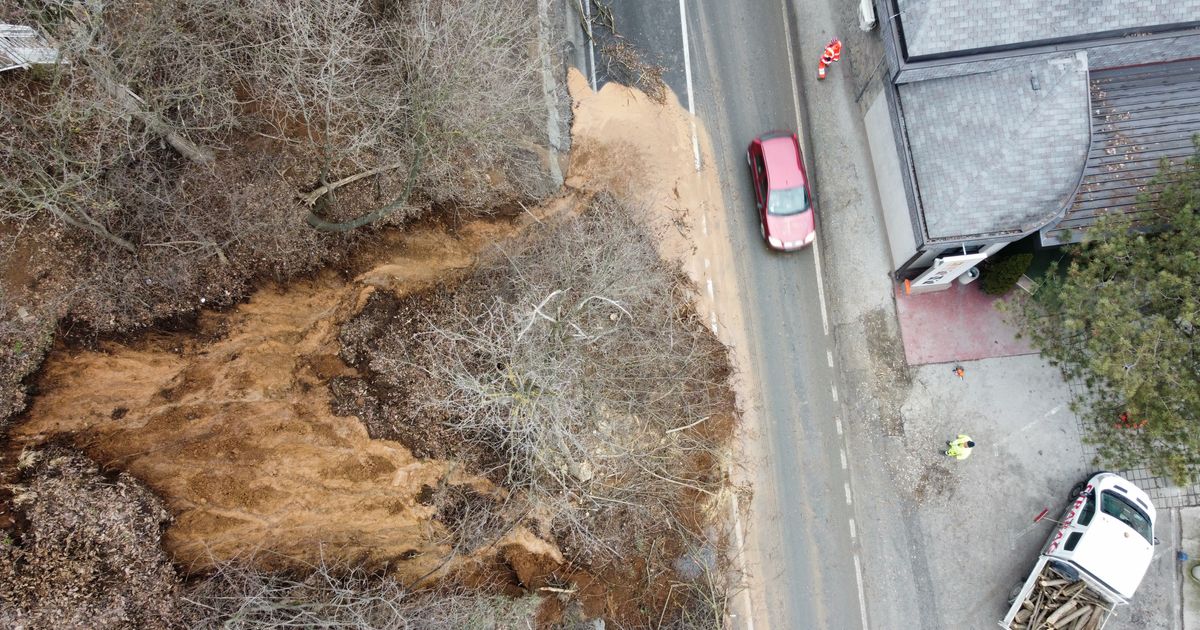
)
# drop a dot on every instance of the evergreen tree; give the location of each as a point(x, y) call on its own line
point(1123, 321)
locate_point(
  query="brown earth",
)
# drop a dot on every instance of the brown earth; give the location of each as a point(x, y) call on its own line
point(232, 423)
point(237, 434)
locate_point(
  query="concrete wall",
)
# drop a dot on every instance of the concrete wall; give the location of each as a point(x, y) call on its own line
point(888, 179)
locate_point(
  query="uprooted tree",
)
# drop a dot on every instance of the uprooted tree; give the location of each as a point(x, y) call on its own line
point(1123, 322)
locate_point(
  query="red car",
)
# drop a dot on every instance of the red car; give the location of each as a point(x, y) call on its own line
point(781, 192)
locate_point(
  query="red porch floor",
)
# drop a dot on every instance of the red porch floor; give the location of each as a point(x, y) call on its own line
point(958, 324)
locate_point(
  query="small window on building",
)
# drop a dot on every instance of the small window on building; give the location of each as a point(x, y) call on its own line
point(1072, 541)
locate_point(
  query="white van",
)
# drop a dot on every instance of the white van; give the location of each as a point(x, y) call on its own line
point(1105, 539)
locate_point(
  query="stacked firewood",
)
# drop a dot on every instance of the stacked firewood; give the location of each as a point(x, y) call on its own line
point(1058, 603)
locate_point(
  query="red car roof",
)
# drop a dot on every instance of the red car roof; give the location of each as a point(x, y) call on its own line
point(783, 162)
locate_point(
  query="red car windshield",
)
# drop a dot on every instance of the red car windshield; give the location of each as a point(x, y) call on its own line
point(787, 201)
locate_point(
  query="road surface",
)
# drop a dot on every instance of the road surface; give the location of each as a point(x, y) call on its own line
point(737, 77)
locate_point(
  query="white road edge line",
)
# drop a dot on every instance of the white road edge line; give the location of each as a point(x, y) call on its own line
point(821, 289)
point(687, 73)
point(549, 90)
point(787, 38)
point(787, 34)
point(748, 615)
point(740, 540)
point(587, 19)
point(862, 600)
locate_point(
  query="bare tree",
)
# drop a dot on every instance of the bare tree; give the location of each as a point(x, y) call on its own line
point(591, 378)
point(330, 594)
point(181, 150)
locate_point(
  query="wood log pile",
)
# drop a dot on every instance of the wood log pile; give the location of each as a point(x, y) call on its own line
point(1057, 603)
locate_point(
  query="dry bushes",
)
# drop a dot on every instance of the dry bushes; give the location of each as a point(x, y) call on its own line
point(340, 596)
point(578, 363)
point(90, 555)
point(187, 146)
point(583, 377)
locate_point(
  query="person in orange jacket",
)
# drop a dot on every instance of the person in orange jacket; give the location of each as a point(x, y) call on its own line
point(832, 53)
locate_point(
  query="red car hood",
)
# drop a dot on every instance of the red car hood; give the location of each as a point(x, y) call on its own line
point(790, 228)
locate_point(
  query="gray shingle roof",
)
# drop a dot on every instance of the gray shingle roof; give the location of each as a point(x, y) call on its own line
point(1140, 116)
point(993, 155)
point(942, 26)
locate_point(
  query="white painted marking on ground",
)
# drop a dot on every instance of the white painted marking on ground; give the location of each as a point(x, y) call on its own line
point(998, 443)
point(862, 599)
point(587, 19)
point(787, 38)
point(706, 263)
point(740, 540)
point(695, 145)
point(687, 73)
point(549, 92)
point(713, 318)
point(710, 288)
point(687, 56)
point(862, 606)
point(1053, 411)
point(704, 223)
point(821, 289)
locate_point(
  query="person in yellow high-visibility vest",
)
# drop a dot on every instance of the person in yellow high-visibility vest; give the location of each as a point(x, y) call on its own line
point(961, 447)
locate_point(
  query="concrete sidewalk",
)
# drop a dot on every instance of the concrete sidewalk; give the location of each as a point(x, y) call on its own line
point(1190, 587)
point(978, 513)
point(942, 541)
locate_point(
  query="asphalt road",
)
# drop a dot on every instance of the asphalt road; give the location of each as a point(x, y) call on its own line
point(742, 85)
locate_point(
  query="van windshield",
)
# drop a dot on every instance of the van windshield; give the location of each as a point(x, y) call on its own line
point(1122, 510)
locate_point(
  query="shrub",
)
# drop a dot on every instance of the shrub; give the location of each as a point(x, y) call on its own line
point(576, 366)
point(1001, 276)
point(90, 556)
point(338, 595)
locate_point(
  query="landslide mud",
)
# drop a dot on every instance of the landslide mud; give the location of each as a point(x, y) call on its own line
point(238, 437)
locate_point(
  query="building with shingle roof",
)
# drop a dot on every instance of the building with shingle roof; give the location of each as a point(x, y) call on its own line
point(1012, 117)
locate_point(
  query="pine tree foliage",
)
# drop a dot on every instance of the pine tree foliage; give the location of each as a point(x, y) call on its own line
point(1123, 322)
